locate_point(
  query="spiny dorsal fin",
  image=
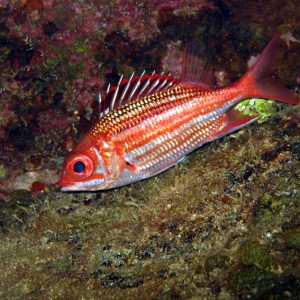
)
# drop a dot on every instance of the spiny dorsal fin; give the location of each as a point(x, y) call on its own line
point(136, 87)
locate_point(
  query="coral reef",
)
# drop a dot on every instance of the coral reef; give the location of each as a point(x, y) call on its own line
point(224, 223)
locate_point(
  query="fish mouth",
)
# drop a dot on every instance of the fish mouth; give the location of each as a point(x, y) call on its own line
point(79, 187)
point(69, 187)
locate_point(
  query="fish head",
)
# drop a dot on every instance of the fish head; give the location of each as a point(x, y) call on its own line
point(85, 169)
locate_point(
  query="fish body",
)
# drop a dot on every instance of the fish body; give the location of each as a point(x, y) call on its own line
point(152, 122)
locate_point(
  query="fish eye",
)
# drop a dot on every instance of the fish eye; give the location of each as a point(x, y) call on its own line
point(79, 167)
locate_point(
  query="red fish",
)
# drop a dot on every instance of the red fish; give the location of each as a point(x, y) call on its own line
point(149, 123)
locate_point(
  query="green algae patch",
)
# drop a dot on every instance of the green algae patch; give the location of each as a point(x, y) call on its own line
point(253, 253)
point(262, 107)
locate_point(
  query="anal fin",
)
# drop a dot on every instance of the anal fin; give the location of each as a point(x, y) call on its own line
point(235, 121)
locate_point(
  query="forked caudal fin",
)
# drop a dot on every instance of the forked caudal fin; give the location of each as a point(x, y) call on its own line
point(257, 82)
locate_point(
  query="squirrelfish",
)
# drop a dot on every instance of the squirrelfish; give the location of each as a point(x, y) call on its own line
point(149, 123)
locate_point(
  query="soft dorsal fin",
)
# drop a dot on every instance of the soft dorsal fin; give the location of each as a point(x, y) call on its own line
point(195, 69)
point(128, 90)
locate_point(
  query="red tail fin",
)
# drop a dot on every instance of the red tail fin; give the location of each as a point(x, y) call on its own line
point(257, 82)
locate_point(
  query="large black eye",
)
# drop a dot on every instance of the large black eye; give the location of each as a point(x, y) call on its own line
point(79, 167)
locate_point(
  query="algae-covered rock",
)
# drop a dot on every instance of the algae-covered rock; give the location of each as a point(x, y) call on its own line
point(254, 283)
point(217, 261)
point(21, 198)
point(252, 278)
point(292, 239)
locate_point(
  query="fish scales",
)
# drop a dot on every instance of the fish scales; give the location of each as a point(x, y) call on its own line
point(135, 112)
point(172, 146)
point(148, 135)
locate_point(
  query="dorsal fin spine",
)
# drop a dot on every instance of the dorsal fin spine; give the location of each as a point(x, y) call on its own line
point(108, 88)
point(153, 86)
point(157, 85)
point(116, 93)
point(136, 86)
point(147, 82)
point(100, 105)
point(163, 83)
point(126, 89)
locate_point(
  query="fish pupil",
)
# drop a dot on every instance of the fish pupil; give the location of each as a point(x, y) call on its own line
point(79, 167)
